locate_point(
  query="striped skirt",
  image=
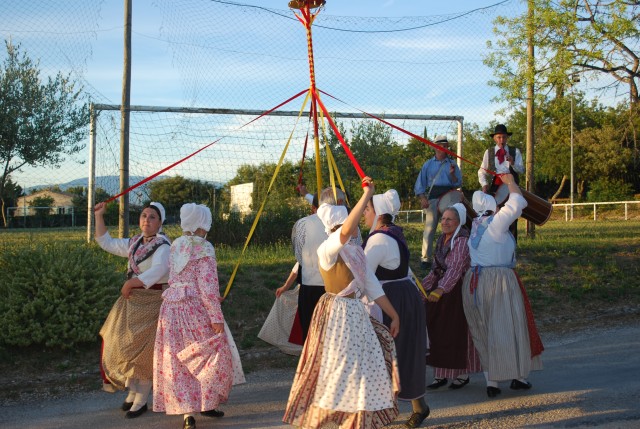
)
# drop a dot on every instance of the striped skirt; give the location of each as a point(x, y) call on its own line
point(498, 324)
point(347, 373)
point(129, 335)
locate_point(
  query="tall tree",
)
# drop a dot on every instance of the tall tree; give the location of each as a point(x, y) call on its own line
point(594, 38)
point(40, 122)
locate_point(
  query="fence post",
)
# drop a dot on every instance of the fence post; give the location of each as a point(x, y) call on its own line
point(594, 211)
point(626, 205)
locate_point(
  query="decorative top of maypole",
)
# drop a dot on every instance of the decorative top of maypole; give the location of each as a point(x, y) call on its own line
point(302, 4)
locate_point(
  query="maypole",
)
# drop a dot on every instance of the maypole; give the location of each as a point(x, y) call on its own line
point(306, 17)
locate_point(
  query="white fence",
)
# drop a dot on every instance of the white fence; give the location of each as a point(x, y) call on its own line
point(406, 215)
point(568, 208)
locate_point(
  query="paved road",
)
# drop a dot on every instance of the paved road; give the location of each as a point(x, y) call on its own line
point(591, 379)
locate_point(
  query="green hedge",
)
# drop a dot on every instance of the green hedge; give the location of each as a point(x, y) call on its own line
point(56, 294)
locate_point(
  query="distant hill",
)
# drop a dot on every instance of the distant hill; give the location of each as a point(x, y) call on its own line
point(111, 184)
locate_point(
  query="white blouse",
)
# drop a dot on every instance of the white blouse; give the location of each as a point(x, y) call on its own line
point(382, 251)
point(497, 247)
point(155, 270)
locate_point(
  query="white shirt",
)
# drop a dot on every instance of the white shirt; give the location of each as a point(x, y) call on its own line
point(307, 235)
point(382, 251)
point(155, 270)
point(328, 255)
point(501, 167)
point(496, 247)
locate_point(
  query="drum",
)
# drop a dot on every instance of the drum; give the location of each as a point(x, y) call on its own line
point(537, 211)
point(455, 196)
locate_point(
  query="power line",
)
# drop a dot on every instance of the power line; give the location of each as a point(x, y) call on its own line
point(448, 19)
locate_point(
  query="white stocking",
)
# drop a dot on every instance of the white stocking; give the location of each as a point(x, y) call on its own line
point(131, 384)
point(489, 382)
point(143, 388)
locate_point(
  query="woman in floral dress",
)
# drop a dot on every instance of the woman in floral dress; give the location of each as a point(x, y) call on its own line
point(196, 361)
point(347, 373)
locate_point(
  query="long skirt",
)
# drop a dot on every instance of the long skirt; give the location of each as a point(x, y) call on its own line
point(347, 373)
point(194, 368)
point(411, 342)
point(451, 349)
point(128, 336)
point(498, 323)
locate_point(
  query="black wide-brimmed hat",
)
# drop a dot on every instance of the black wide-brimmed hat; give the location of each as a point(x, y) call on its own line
point(500, 129)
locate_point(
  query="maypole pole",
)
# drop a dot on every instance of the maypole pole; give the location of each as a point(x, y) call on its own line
point(307, 17)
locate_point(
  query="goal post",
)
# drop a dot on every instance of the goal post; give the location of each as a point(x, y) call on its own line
point(161, 135)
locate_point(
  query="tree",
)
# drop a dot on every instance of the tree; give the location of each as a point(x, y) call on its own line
point(260, 175)
point(40, 122)
point(173, 192)
point(607, 40)
point(592, 38)
point(79, 202)
point(11, 193)
point(42, 207)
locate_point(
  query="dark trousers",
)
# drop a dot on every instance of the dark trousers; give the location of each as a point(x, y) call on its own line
point(308, 297)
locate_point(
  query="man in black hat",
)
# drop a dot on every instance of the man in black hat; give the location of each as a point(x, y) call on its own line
point(502, 159)
point(437, 176)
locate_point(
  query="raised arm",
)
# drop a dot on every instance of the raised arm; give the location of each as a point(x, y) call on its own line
point(350, 226)
point(98, 211)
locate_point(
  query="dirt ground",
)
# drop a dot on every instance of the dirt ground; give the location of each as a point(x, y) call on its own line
point(35, 374)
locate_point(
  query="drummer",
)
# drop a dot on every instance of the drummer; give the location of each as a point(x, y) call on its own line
point(502, 159)
point(437, 176)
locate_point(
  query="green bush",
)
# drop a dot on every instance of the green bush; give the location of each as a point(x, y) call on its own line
point(55, 294)
point(605, 189)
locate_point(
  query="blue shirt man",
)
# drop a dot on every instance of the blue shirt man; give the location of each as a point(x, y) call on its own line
point(438, 176)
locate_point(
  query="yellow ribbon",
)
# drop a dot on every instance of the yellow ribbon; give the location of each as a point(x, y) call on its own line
point(259, 213)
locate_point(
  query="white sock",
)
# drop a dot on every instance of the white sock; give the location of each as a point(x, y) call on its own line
point(143, 388)
point(131, 384)
point(489, 382)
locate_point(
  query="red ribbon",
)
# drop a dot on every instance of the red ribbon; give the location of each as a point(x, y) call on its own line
point(143, 181)
point(415, 136)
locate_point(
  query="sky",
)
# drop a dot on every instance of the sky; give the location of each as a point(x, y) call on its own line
point(153, 67)
point(182, 60)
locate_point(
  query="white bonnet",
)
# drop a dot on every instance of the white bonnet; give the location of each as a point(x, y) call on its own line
point(331, 216)
point(462, 212)
point(483, 202)
point(160, 208)
point(387, 203)
point(194, 216)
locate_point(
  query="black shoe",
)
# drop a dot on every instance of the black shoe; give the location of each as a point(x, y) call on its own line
point(438, 382)
point(126, 406)
point(459, 383)
point(133, 414)
point(189, 423)
point(492, 392)
point(213, 413)
point(425, 265)
point(520, 385)
point(416, 419)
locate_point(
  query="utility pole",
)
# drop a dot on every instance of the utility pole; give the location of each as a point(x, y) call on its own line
point(123, 209)
point(574, 79)
point(530, 107)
